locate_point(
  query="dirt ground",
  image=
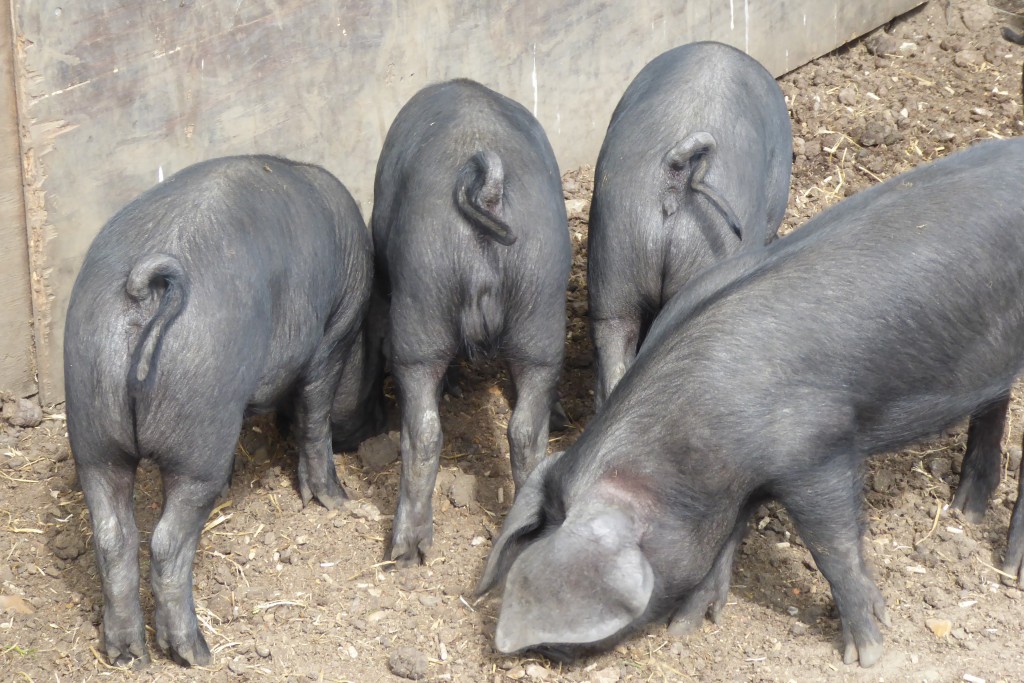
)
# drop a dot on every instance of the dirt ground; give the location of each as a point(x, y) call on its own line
point(286, 593)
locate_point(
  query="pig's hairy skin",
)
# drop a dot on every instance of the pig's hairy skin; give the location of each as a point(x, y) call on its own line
point(472, 251)
point(237, 285)
point(659, 217)
point(884, 320)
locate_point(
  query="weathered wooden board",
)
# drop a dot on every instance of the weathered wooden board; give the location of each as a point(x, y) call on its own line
point(17, 366)
point(114, 95)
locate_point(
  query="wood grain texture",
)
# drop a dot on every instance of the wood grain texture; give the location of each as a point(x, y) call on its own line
point(114, 95)
point(17, 366)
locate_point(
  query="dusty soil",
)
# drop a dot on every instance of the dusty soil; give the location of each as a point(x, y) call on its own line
point(286, 593)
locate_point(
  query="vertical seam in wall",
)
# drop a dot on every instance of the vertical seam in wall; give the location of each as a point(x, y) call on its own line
point(33, 350)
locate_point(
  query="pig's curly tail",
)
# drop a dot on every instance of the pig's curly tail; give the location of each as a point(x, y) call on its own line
point(692, 153)
point(478, 195)
point(159, 276)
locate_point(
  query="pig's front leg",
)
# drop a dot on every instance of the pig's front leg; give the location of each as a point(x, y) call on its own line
point(711, 595)
point(825, 505)
point(1013, 563)
point(419, 388)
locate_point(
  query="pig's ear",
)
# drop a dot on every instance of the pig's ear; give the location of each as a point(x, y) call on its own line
point(526, 516)
point(583, 584)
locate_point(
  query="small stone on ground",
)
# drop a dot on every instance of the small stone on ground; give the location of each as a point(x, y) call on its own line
point(408, 662)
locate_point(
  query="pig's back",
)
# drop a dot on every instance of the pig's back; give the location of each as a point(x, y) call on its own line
point(701, 87)
point(899, 308)
point(262, 254)
point(435, 134)
point(428, 247)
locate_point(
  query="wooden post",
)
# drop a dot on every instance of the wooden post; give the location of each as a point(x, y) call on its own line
point(17, 365)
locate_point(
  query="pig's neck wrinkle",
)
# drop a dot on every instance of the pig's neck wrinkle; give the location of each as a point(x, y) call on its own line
point(626, 491)
point(666, 485)
point(659, 459)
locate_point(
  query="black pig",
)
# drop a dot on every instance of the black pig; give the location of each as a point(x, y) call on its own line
point(237, 284)
point(695, 167)
point(884, 320)
point(472, 248)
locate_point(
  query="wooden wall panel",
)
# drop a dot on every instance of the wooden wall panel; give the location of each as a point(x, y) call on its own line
point(114, 95)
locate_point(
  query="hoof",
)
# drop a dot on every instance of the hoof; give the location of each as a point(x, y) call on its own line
point(409, 551)
point(186, 651)
point(126, 647)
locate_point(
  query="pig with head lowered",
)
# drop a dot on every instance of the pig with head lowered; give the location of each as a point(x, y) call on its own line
point(238, 285)
point(472, 251)
point(884, 320)
point(695, 167)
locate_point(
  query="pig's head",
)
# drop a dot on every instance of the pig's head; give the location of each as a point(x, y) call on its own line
point(576, 580)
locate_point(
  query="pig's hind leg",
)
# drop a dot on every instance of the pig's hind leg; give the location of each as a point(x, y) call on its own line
point(530, 421)
point(824, 501)
point(534, 349)
point(194, 473)
point(419, 389)
point(615, 345)
point(108, 483)
point(318, 476)
point(979, 475)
